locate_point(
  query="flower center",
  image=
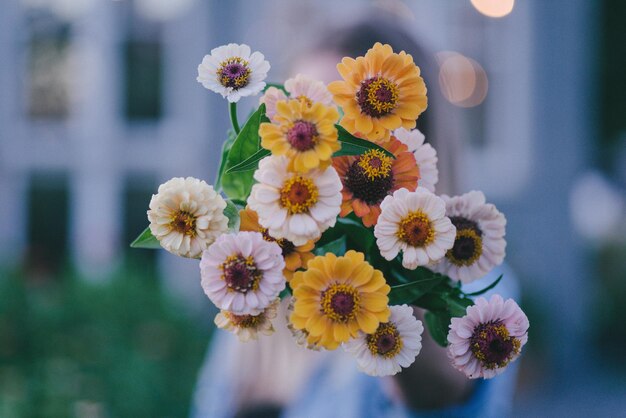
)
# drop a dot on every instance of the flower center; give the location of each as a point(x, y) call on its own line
point(340, 302)
point(375, 164)
point(302, 135)
point(245, 321)
point(468, 244)
point(370, 178)
point(492, 345)
point(416, 229)
point(377, 96)
point(240, 273)
point(298, 194)
point(385, 342)
point(184, 223)
point(285, 245)
point(234, 72)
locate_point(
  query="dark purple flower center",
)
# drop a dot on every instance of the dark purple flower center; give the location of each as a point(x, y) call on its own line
point(234, 73)
point(377, 97)
point(302, 136)
point(468, 242)
point(240, 274)
point(385, 341)
point(370, 189)
point(492, 345)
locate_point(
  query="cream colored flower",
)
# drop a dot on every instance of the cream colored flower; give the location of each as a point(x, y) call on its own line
point(186, 216)
point(414, 223)
point(247, 327)
point(297, 207)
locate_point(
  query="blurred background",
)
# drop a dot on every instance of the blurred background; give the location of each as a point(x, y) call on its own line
point(99, 105)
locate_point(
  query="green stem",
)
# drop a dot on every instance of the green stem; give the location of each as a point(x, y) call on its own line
point(233, 118)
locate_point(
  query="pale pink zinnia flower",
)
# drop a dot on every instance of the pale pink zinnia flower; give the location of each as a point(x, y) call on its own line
point(300, 87)
point(242, 273)
point(488, 337)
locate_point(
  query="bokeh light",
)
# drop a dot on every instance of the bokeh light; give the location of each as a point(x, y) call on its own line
point(462, 80)
point(494, 8)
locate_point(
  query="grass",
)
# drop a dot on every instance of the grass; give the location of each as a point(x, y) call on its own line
point(74, 348)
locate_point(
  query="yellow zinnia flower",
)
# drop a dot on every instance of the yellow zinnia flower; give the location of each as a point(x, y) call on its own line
point(336, 297)
point(296, 256)
point(381, 91)
point(303, 132)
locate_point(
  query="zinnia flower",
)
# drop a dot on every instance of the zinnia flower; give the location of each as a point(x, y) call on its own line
point(425, 156)
point(370, 177)
point(488, 337)
point(380, 92)
point(479, 244)
point(247, 327)
point(336, 297)
point(394, 345)
point(295, 256)
point(305, 133)
point(242, 273)
point(416, 224)
point(301, 88)
point(186, 216)
point(296, 207)
point(233, 72)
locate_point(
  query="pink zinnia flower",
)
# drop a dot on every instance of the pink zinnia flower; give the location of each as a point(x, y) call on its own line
point(242, 273)
point(488, 337)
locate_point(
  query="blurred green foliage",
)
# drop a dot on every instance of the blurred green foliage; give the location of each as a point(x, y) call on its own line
point(116, 349)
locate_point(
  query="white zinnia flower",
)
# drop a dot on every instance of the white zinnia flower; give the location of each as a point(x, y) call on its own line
point(242, 273)
point(425, 156)
point(394, 345)
point(416, 224)
point(186, 216)
point(295, 206)
point(233, 72)
point(479, 245)
point(300, 87)
point(488, 337)
point(247, 327)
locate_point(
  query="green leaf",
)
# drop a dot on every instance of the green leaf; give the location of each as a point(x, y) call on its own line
point(146, 240)
point(351, 145)
point(412, 291)
point(337, 247)
point(238, 185)
point(486, 289)
point(251, 163)
point(225, 150)
point(438, 324)
point(232, 213)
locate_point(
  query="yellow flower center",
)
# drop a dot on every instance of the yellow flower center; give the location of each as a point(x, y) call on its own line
point(385, 342)
point(302, 135)
point(245, 321)
point(340, 302)
point(298, 194)
point(184, 223)
point(375, 164)
point(377, 96)
point(416, 229)
point(234, 72)
point(468, 247)
point(240, 273)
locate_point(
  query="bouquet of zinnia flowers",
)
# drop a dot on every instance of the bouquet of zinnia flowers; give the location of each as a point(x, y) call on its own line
point(330, 201)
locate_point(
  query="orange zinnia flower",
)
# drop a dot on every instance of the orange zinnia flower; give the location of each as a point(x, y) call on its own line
point(380, 92)
point(368, 178)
